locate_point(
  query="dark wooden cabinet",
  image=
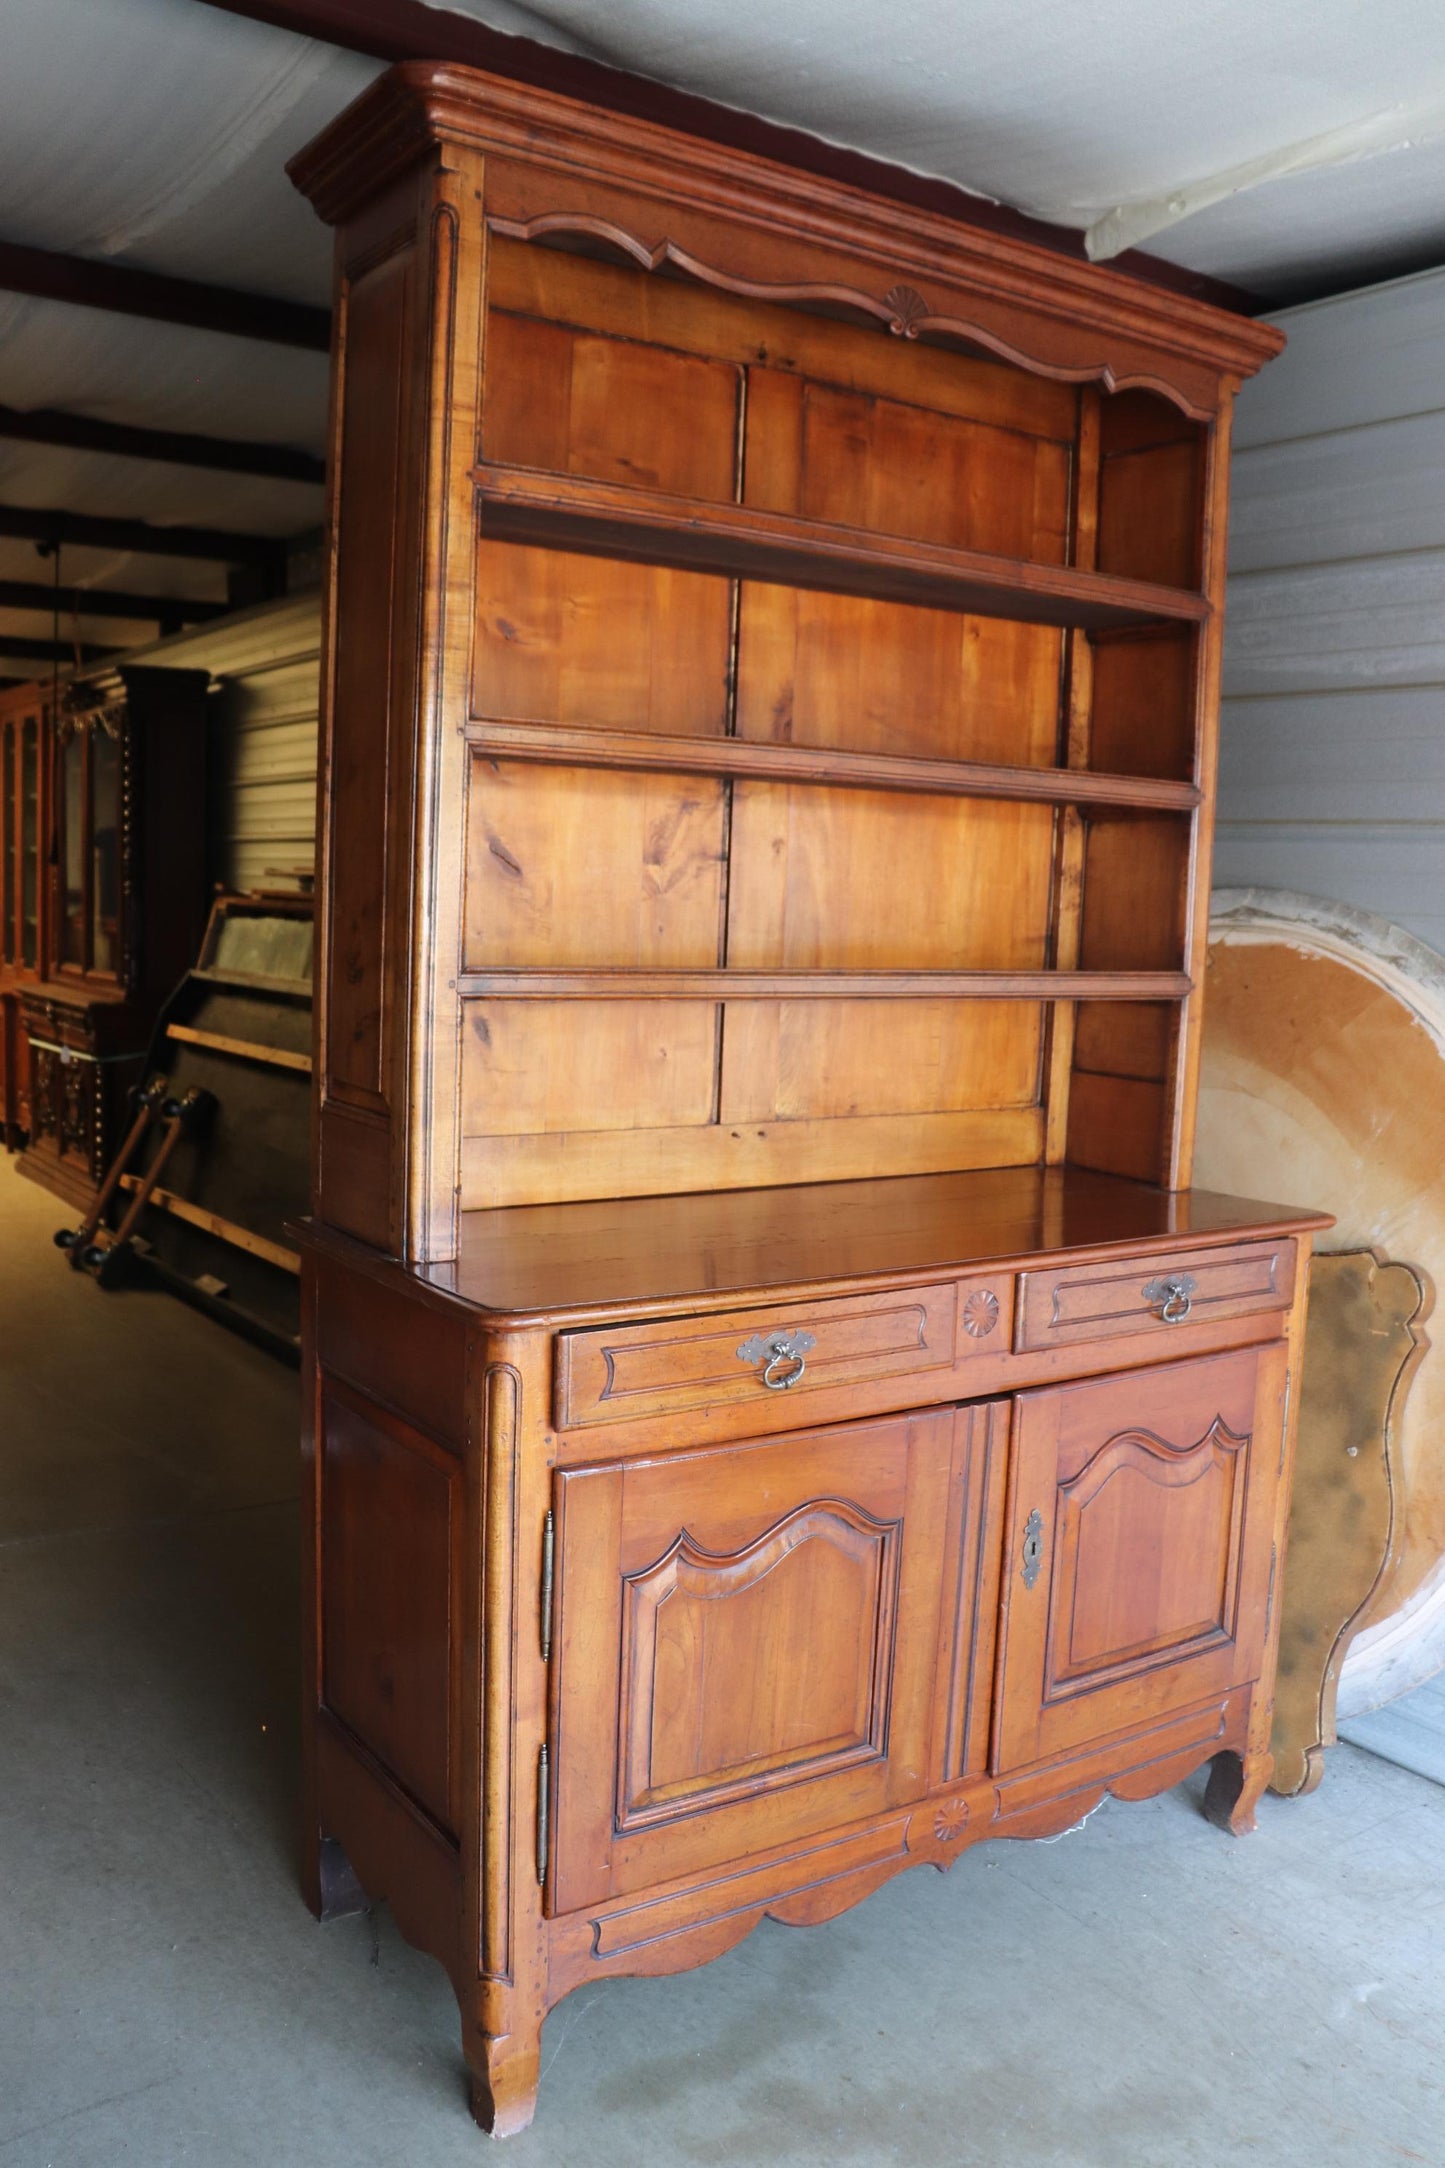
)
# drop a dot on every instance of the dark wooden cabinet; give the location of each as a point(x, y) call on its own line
point(25, 747)
point(776, 1411)
point(104, 893)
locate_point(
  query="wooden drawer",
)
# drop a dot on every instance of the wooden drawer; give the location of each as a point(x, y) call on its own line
point(619, 1373)
point(1097, 1302)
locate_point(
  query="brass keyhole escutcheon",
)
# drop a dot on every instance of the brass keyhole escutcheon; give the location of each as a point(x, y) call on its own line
point(1033, 1547)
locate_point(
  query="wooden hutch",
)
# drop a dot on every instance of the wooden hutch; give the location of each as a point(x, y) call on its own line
point(102, 793)
point(777, 1412)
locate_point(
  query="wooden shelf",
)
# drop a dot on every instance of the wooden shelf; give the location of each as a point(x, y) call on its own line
point(727, 985)
point(602, 519)
point(559, 745)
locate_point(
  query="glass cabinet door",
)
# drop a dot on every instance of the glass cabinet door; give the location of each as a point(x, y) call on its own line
point(104, 852)
point(89, 758)
point(72, 928)
point(8, 796)
point(30, 844)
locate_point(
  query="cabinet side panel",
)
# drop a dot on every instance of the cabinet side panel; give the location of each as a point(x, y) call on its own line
point(357, 1026)
point(390, 1611)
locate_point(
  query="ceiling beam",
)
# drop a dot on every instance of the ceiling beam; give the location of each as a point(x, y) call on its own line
point(62, 651)
point(177, 447)
point(83, 531)
point(150, 294)
point(106, 602)
point(395, 30)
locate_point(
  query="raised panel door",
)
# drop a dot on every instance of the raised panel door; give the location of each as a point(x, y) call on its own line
point(748, 1644)
point(1140, 1567)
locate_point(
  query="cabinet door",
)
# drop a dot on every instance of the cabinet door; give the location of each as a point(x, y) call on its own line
point(1139, 1575)
point(748, 1643)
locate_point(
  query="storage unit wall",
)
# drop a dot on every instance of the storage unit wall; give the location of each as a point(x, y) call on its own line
point(1333, 761)
point(776, 1412)
point(265, 670)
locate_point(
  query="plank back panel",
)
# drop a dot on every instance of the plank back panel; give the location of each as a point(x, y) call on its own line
point(874, 881)
point(567, 639)
point(607, 373)
point(614, 299)
point(577, 866)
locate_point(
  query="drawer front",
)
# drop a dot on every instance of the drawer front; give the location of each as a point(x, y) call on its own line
point(1154, 1294)
point(617, 1374)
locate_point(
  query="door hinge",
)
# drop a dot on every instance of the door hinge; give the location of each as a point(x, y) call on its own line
point(543, 1771)
point(1269, 1599)
point(1284, 1419)
point(549, 1566)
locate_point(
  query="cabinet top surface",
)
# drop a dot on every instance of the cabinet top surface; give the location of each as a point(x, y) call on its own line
point(534, 1261)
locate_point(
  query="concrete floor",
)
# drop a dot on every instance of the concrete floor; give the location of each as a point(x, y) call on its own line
point(1145, 1993)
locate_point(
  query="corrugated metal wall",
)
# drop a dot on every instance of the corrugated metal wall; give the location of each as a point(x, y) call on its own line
point(267, 666)
point(1332, 758)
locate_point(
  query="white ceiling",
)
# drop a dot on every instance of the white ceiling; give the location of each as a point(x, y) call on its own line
point(1068, 108)
point(155, 133)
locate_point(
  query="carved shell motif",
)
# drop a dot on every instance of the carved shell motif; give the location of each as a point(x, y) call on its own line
point(951, 1820)
point(909, 308)
point(980, 1313)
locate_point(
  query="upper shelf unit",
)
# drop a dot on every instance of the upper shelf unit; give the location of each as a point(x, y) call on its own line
point(645, 526)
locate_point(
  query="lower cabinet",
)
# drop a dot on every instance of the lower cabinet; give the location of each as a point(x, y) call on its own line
point(759, 1642)
point(1140, 1546)
point(747, 1641)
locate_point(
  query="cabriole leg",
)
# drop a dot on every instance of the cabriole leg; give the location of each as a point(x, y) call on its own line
point(504, 2072)
point(1234, 1790)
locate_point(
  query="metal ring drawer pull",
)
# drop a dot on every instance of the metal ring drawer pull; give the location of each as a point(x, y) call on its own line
point(1172, 1297)
point(781, 1354)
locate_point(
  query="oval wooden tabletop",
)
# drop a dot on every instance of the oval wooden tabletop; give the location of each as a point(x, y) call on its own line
point(1324, 1077)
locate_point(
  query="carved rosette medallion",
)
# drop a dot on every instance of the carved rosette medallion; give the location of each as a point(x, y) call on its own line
point(980, 1313)
point(951, 1820)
